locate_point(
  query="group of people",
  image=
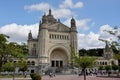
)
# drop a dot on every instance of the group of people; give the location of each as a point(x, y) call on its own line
point(90, 73)
point(51, 74)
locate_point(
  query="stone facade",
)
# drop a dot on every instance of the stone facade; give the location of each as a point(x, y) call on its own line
point(52, 46)
point(107, 58)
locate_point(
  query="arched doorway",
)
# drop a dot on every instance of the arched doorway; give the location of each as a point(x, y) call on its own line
point(58, 58)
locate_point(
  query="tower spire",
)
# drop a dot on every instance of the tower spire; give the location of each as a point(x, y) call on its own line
point(73, 25)
point(49, 11)
point(30, 35)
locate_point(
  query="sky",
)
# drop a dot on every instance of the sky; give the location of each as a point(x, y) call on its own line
point(93, 17)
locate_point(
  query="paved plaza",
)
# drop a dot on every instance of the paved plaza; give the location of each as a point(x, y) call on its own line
point(76, 77)
point(66, 77)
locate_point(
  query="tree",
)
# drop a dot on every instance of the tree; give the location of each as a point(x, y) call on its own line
point(115, 45)
point(91, 52)
point(10, 50)
point(115, 67)
point(22, 66)
point(84, 62)
point(9, 66)
point(82, 52)
point(108, 68)
point(101, 68)
point(3, 53)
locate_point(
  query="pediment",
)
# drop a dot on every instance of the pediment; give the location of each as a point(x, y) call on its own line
point(59, 27)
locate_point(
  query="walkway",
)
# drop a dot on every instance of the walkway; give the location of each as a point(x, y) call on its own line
point(66, 77)
point(76, 77)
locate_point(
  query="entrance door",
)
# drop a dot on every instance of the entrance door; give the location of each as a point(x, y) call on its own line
point(57, 63)
point(58, 58)
point(61, 63)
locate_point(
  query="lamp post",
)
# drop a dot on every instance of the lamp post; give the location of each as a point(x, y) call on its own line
point(14, 70)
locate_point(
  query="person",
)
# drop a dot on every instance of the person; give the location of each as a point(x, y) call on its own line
point(54, 74)
point(25, 74)
point(50, 74)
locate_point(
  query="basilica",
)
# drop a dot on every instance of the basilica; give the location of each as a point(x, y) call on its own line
point(52, 47)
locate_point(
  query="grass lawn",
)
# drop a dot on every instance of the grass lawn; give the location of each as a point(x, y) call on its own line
point(10, 76)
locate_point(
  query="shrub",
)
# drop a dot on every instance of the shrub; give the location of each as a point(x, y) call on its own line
point(35, 76)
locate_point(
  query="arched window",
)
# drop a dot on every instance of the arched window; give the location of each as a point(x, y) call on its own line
point(33, 63)
point(15, 61)
point(50, 36)
point(112, 62)
point(105, 63)
point(102, 63)
point(28, 62)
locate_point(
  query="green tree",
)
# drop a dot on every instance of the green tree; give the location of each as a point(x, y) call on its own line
point(9, 66)
point(115, 67)
point(84, 62)
point(3, 48)
point(116, 44)
point(10, 50)
point(108, 69)
point(82, 52)
point(101, 68)
point(22, 66)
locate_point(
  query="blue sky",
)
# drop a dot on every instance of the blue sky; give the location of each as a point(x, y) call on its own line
point(92, 16)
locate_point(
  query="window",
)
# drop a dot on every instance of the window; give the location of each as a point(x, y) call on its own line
point(105, 63)
point(34, 45)
point(62, 36)
point(34, 51)
point(28, 62)
point(67, 38)
point(50, 36)
point(57, 36)
point(61, 63)
point(53, 65)
point(33, 62)
point(57, 64)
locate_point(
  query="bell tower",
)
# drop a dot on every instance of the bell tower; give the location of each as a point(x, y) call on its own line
point(74, 35)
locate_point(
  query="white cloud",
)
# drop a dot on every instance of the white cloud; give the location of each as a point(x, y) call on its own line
point(70, 4)
point(89, 41)
point(38, 7)
point(78, 5)
point(62, 13)
point(81, 24)
point(19, 33)
point(104, 34)
point(57, 12)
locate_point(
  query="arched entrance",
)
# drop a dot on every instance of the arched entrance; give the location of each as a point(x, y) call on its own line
point(58, 58)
